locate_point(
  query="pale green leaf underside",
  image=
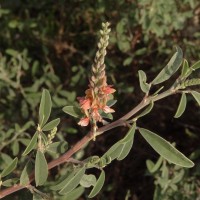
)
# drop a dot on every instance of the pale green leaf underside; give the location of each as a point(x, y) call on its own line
point(9, 168)
point(181, 106)
point(143, 78)
point(88, 180)
point(171, 67)
point(165, 149)
point(99, 184)
point(41, 168)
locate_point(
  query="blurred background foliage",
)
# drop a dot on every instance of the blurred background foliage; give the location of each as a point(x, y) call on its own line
point(51, 44)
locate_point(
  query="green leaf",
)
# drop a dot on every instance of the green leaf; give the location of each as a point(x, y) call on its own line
point(24, 178)
point(127, 142)
point(64, 181)
point(178, 177)
point(72, 183)
point(146, 111)
point(9, 168)
point(196, 95)
point(10, 182)
point(52, 124)
point(130, 135)
point(15, 147)
point(196, 65)
point(88, 180)
point(44, 138)
point(157, 91)
point(171, 67)
point(143, 78)
point(12, 52)
point(74, 195)
point(57, 147)
point(125, 150)
point(6, 158)
point(185, 68)
point(106, 115)
point(114, 151)
point(127, 61)
point(41, 168)
point(45, 107)
point(99, 184)
point(121, 149)
point(193, 68)
point(181, 106)
point(154, 167)
point(73, 111)
point(31, 145)
point(24, 141)
point(111, 102)
point(150, 164)
point(165, 149)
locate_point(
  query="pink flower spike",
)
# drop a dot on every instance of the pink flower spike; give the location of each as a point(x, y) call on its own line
point(107, 109)
point(108, 89)
point(84, 121)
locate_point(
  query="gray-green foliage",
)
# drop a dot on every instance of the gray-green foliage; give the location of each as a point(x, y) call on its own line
point(173, 181)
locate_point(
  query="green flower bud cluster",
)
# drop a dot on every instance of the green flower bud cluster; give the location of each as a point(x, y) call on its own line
point(51, 136)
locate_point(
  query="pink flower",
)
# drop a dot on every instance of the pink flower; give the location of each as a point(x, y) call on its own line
point(108, 89)
point(107, 109)
point(85, 103)
point(84, 121)
point(95, 115)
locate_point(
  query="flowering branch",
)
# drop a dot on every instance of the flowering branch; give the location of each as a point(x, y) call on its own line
point(87, 138)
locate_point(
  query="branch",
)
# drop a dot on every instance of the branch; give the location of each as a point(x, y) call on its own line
point(120, 122)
